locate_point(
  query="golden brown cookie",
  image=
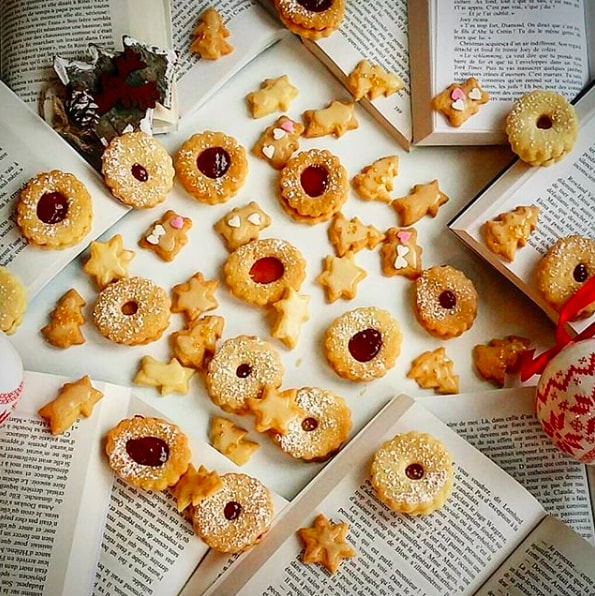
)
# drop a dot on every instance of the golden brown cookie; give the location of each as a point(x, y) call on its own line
point(194, 486)
point(510, 231)
point(291, 312)
point(352, 235)
point(242, 225)
point(210, 36)
point(372, 81)
point(64, 328)
point(445, 301)
point(311, 19)
point(434, 370)
point(363, 344)
point(375, 181)
point(194, 296)
point(279, 142)
point(340, 277)
point(336, 119)
point(412, 473)
point(459, 102)
point(274, 410)
point(13, 301)
point(274, 95)
point(137, 169)
point(498, 357)
point(168, 377)
point(211, 166)
point(167, 236)
point(108, 261)
point(54, 210)
point(424, 199)
point(195, 345)
point(148, 453)
point(400, 254)
point(228, 439)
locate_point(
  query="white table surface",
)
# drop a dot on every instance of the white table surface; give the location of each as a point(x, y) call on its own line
point(461, 173)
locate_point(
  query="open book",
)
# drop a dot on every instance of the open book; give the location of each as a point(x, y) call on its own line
point(490, 536)
point(509, 47)
point(564, 193)
point(69, 527)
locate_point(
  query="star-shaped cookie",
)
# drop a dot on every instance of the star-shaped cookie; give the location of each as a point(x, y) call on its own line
point(194, 296)
point(274, 410)
point(424, 199)
point(340, 277)
point(194, 486)
point(108, 261)
point(228, 438)
point(170, 377)
point(291, 312)
point(336, 119)
point(195, 345)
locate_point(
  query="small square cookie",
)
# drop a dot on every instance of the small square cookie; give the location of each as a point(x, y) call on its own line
point(167, 236)
point(279, 141)
point(400, 254)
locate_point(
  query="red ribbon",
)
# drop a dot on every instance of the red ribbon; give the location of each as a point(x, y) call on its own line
point(585, 295)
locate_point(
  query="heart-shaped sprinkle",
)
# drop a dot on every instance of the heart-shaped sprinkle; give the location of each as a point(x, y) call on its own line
point(287, 125)
point(255, 219)
point(177, 222)
point(278, 133)
point(458, 105)
point(475, 94)
point(234, 222)
point(401, 261)
point(268, 151)
point(404, 236)
point(457, 93)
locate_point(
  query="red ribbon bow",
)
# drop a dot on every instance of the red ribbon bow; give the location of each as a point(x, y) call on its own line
point(584, 296)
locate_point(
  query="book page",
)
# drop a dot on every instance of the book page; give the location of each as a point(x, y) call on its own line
point(502, 425)
point(452, 550)
point(552, 560)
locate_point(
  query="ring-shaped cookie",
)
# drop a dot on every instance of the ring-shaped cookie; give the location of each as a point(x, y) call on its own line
point(412, 473)
point(236, 516)
point(542, 127)
point(363, 344)
point(132, 311)
point(54, 210)
point(137, 169)
point(240, 370)
point(564, 268)
point(320, 430)
point(149, 453)
point(313, 186)
point(445, 301)
point(259, 272)
point(211, 166)
point(311, 19)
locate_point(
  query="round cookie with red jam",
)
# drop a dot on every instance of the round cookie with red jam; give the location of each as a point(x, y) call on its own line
point(211, 166)
point(240, 370)
point(445, 301)
point(363, 344)
point(54, 210)
point(236, 516)
point(148, 453)
point(313, 186)
point(137, 169)
point(260, 271)
point(311, 19)
point(320, 430)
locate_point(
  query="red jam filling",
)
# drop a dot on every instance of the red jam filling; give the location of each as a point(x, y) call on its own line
point(309, 424)
point(316, 5)
point(366, 344)
point(580, 273)
point(213, 162)
point(129, 308)
point(139, 172)
point(267, 270)
point(414, 471)
point(544, 122)
point(52, 207)
point(232, 510)
point(314, 180)
point(447, 299)
point(148, 451)
point(243, 370)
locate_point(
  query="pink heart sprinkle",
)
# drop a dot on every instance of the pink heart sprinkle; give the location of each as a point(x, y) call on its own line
point(404, 236)
point(177, 222)
point(287, 125)
point(457, 93)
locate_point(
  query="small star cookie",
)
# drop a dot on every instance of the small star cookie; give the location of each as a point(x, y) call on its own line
point(372, 81)
point(196, 345)
point(242, 225)
point(499, 356)
point(274, 410)
point(279, 142)
point(352, 236)
point(63, 330)
point(274, 95)
point(325, 543)
point(194, 486)
point(340, 277)
point(336, 119)
point(291, 312)
point(228, 438)
point(510, 231)
point(168, 377)
point(424, 199)
point(108, 261)
point(210, 36)
point(375, 181)
point(459, 102)
point(167, 236)
point(194, 296)
point(434, 370)
point(74, 400)
point(400, 253)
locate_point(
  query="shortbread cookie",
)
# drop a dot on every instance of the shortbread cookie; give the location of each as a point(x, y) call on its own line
point(74, 400)
point(459, 102)
point(279, 142)
point(375, 182)
point(542, 127)
point(424, 199)
point(132, 311)
point(363, 344)
point(236, 517)
point(194, 296)
point(510, 231)
point(241, 369)
point(242, 225)
point(148, 453)
point(412, 473)
point(211, 166)
point(274, 95)
point(313, 186)
point(167, 236)
point(137, 169)
point(352, 235)
point(64, 328)
point(321, 428)
point(291, 312)
point(195, 345)
point(564, 268)
point(445, 301)
point(108, 261)
point(168, 377)
point(194, 486)
point(54, 210)
point(499, 356)
point(340, 277)
point(261, 271)
point(400, 254)
point(326, 543)
point(336, 119)
point(13, 301)
point(274, 410)
point(228, 438)
point(209, 38)
point(434, 370)
point(372, 81)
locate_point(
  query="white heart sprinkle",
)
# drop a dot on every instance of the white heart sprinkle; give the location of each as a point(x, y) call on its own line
point(458, 105)
point(255, 219)
point(234, 222)
point(268, 151)
point(400, 261)
point(278, 133)
point(475, 93)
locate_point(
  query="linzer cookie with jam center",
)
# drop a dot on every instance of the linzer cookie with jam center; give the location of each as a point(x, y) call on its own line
point(311, 19)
